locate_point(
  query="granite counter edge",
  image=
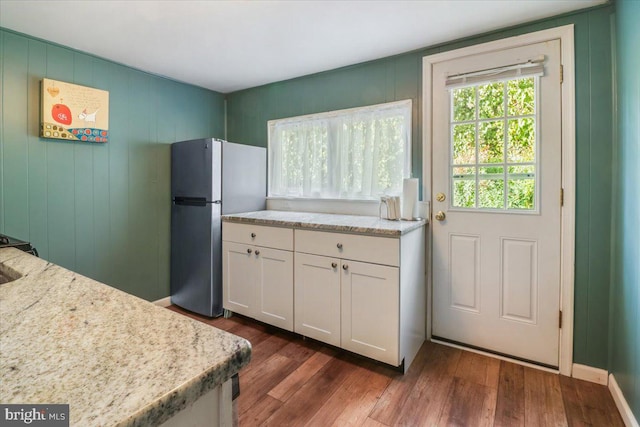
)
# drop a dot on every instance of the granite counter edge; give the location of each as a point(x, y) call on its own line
point(188, 393)
point(325, 227)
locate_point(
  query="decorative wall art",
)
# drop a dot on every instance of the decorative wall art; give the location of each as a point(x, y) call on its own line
point(73, 112)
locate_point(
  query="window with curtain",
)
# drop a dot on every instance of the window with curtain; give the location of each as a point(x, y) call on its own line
point(360, 153)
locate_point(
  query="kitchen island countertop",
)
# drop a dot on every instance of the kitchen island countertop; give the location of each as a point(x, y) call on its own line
point(327, 222)
point(116, 359)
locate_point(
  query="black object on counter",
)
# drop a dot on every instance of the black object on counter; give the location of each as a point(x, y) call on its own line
point(12, 242)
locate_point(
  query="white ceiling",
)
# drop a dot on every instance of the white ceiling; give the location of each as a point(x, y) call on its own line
point(232, 45)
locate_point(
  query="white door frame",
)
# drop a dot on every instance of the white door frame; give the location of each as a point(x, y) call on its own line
point(567, 238)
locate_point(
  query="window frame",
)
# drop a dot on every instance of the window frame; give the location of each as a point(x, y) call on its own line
point(335, 114)
point(505, 163)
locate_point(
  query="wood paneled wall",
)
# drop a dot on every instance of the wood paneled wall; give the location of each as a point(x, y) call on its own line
point(102, 210)
point(625, 290)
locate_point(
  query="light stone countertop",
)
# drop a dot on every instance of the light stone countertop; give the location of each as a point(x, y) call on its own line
point(356, 224)
point(116, 359)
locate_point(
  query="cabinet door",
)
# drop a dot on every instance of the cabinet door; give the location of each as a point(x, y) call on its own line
point(317, 297)
point(239, 274)
point(371, 310)
point(275, 287)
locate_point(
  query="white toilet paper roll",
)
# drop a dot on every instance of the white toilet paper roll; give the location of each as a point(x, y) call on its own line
point(409, 198)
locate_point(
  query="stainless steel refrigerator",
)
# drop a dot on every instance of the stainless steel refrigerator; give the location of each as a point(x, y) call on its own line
point(209, 178)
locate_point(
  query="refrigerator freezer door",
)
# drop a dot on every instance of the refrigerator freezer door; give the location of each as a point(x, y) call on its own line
point(196, 258)
point(196, 169)
point(244, 175)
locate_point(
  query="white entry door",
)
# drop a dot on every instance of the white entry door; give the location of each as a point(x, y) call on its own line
point(496, 166)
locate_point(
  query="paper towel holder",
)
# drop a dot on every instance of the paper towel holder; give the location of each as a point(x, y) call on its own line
point(410, 199)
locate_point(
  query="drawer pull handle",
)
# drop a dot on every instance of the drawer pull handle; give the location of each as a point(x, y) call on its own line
point(334, 265)
point(345, 267)
point(253, 235)
point(249, 251)
point(339, 245)
point(257, 252)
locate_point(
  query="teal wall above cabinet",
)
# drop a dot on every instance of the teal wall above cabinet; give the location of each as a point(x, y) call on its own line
point(102, 210)
point(400, 77)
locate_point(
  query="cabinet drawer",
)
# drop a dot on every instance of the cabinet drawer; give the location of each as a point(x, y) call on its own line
point(378, 250)
point(259, 235)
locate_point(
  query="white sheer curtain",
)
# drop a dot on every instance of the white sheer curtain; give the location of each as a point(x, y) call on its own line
point(298, 161)
point(350, 154)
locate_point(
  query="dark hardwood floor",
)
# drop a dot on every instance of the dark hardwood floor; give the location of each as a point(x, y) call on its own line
point(295, 382)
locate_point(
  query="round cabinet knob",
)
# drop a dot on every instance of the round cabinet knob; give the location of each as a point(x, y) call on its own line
point(345, 267)
point(249, 251)
point(253, 235)
point(257, 252)
point(334, 264)
point(440, 216)
point(339, 245)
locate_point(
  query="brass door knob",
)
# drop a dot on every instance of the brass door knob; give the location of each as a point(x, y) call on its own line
point(440, 216)
point(441, 197)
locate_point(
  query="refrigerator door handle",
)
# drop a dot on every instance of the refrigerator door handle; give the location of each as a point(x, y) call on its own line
point(193, 201)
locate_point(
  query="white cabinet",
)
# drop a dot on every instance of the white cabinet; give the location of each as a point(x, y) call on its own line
point(239, 272)
point(317, 298)
point(258, 279)
point(365, 294)
point(371, 311)
point(275, 287)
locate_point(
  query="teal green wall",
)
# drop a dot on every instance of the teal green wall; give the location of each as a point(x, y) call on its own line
point(399, 77)
point(625, 289)
point(102, 210)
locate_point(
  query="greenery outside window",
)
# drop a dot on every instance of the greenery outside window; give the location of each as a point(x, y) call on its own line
point(359, 153)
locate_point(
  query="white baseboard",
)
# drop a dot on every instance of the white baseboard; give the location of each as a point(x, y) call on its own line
point(625, 411)
point(588, 373)
point(164, 302)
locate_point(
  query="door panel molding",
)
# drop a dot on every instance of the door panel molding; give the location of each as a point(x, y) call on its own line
point(524, 253)
point(467, 252)
point(566, 36)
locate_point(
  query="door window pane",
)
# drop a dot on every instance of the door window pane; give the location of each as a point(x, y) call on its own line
point(491, 142)
point(522, 141)
point(521, 192)
point(464, 187)
point(491, 188)
point(521, 186)
point(464, 104)
point(521, 96)
point(464, 144)
point(491, 100)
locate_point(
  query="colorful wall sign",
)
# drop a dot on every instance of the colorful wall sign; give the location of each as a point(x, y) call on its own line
point(73, 112)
